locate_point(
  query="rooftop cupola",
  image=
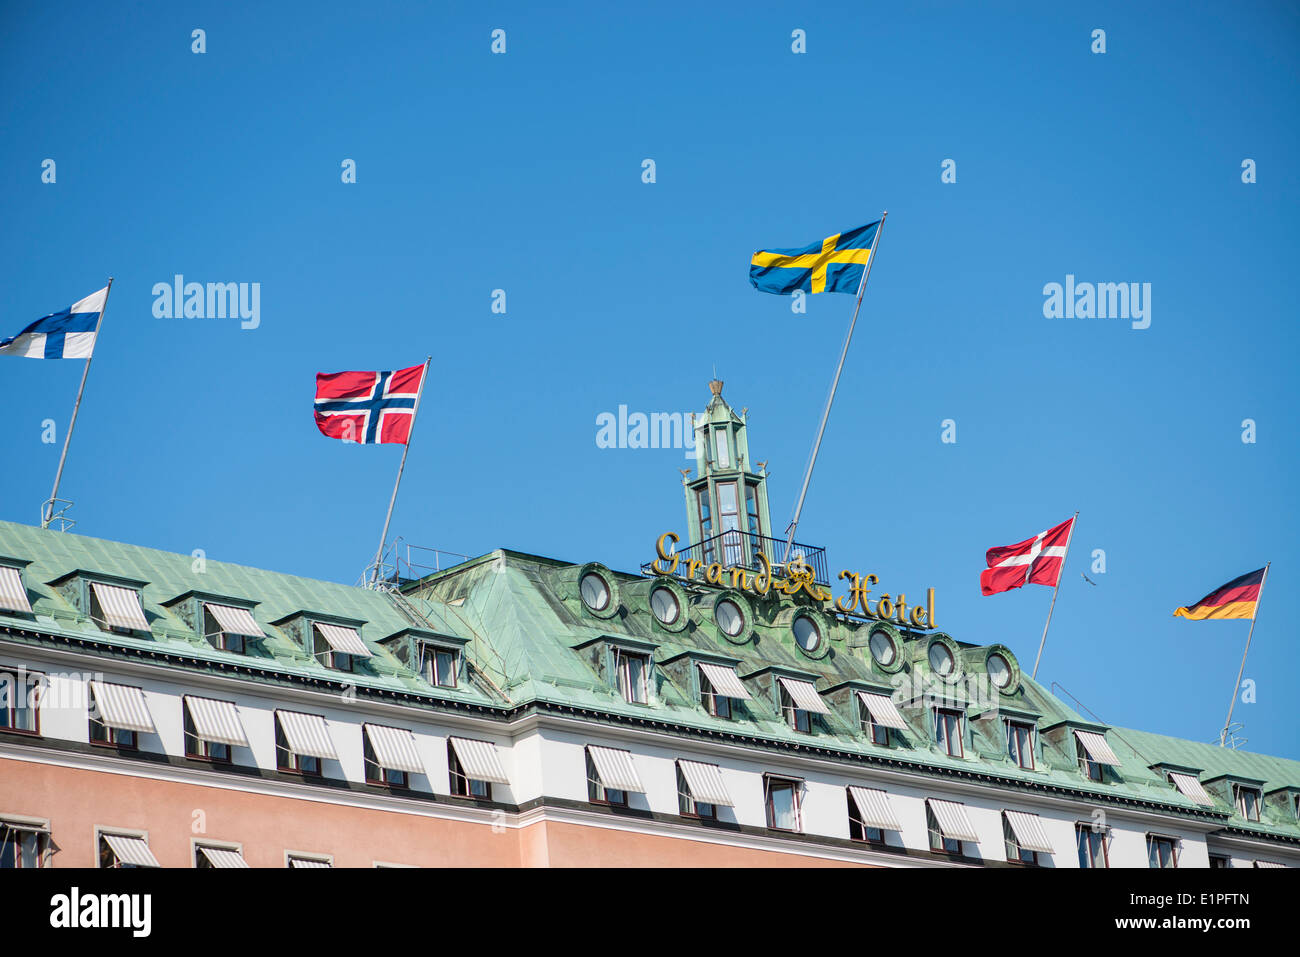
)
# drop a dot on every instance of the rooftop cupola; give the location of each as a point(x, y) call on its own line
point(728, 493)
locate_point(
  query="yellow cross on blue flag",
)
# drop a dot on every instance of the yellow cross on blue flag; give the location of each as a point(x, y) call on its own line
point(833, 265)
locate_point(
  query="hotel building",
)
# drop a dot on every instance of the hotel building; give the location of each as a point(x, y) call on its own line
point(713, 708)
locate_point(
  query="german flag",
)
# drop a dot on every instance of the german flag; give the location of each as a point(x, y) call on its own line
point(1237, 599)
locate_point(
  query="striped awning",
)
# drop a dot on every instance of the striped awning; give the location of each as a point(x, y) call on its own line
point(724, 680)
point(615, 769)
point(345, 640)
point(1097, 748)
point(394, 748)
point(235, 621)
point(479, 760)
point(952, 819)
point(131, 850)
point(803, 694)
point(1190, 786)
point(883, 710)
point(221, 857)
point(873, 808)
point(1029, 831)
point(120, 606)
point(705, 783)
point(1269, 864)
point(122, 707)
point(307, 734)
point(216, 721)
point(13, 596)
point(307, 862)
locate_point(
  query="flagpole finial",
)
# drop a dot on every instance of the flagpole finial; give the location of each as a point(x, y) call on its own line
point(715, 386)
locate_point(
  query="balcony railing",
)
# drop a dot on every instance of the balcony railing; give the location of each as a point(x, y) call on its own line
point(737, 549)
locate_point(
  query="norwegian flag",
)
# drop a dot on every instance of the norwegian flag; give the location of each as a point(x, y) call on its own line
point(368, 407)
point(1035, 561)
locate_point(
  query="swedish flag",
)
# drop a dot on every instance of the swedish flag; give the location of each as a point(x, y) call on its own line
point(833, 265)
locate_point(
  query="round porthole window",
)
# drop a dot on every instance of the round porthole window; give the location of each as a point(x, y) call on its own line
point(595, 593)
point(882, 648)
point(665, 606)
point(999, 670)
point(941, 662)
point(806, 634)
point(729, 618)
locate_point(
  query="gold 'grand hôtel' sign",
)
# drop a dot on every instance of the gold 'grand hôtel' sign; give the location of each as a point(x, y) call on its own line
point(798, 577)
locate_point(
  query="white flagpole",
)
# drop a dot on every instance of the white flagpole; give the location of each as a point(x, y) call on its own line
point(1223, 735)
point(826, 412)
point(1050, 608)
point(48, 511)
point(383, 537)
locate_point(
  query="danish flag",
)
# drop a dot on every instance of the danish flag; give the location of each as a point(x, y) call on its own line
point(368, 407)
point(1035, 561)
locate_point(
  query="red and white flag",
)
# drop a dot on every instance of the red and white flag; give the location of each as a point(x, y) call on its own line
point(1035, 561)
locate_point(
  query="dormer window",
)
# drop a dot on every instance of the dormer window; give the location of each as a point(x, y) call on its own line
point(799, 702)
point(1094, 754)
point(1020, 743)
point(948, 731)
point(719, 684)
point(439, 665)
point(633, 675)
point(337, 646)
point(877, 713)
point(117, 609)
point(228, 627)
point(1247, 801)
point(13, 595)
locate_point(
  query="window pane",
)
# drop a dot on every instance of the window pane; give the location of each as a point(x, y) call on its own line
point(782, 801)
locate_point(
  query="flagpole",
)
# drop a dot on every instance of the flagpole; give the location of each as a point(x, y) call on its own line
point(826, 412)
point(47, 513)
point(1050, 608)
point(1223, 735)
point(383, 537)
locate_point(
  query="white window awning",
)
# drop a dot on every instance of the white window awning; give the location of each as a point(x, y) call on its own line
point(883, 710)
point(394, 748)
point(615, 769)
point(307, 734)
point(222, 857)
point(952, 820)
point(342, 639)
point(1097, 748)
point(479, 760)
point(122, 707)
point(1190, 786)
point(724, 680)
point(216, 721)
point(120, 606)
point(873, 808)
point(704, 781)
point(1269, 864)
point(131, 850)
point(235, 621)
point(13, 596)
point(307, 862)
point(1029, 831)
point(804, 695)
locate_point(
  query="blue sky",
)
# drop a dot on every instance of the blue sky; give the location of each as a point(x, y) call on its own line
point(522, 172)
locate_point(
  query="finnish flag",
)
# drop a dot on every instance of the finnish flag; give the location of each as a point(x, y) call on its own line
point(67, 334)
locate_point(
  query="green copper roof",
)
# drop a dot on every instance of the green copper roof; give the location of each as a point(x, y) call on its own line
point(533, 643)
